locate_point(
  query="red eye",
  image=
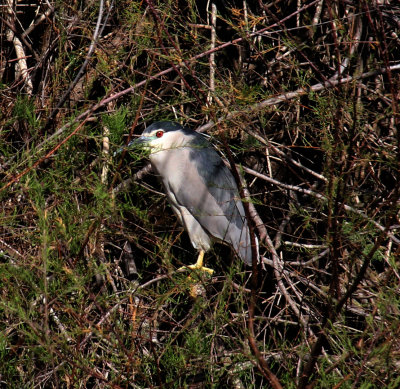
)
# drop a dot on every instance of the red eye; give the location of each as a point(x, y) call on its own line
point(159, 134)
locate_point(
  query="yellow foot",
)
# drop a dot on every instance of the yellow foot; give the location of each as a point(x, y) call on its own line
point(198, 266)
point(195, 267)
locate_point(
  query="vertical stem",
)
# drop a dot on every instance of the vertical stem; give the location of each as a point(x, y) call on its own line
point(21, 67)
point(212, 55)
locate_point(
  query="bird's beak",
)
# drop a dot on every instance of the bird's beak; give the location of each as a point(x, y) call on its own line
point(135, 144)
point(138, 142)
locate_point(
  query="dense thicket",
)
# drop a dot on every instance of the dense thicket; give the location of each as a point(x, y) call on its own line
point(302, 94)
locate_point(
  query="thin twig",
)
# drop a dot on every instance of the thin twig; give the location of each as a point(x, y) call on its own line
point(82, 69)
point(321, 197)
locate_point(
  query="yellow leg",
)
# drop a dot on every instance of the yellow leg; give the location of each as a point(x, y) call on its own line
point(199, 264)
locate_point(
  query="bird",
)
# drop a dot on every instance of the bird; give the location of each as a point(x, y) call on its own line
point(199, 187)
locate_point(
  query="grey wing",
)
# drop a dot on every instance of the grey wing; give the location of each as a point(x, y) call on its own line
point(210, 193)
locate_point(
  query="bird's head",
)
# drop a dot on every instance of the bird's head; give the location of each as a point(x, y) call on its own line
point(166, 135)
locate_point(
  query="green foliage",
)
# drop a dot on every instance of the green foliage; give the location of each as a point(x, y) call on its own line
point(76, 315)
point(24, 110)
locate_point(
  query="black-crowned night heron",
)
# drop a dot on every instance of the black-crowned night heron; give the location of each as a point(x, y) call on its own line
point(200, 188)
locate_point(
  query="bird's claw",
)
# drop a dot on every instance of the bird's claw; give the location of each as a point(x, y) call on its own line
point(196, 267)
